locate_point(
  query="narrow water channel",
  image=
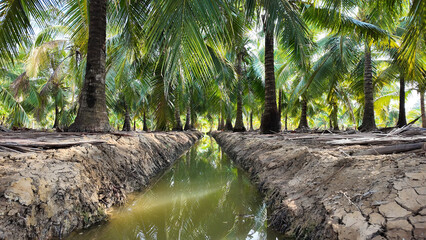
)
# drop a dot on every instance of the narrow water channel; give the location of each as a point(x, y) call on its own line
point(203, 196)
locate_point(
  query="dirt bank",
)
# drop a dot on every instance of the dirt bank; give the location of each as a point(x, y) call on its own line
point(49, 193)
point(319, 191)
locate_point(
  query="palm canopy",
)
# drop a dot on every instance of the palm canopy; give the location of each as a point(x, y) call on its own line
point(284, 17)
point(165, 59)
point(16, 26)
point(414, 43)
point(179, 28)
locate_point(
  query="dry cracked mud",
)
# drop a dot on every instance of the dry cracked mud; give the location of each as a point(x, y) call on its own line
point(319, 191)
point(47, 194)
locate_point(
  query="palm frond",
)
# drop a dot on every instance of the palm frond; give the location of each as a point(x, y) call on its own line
point(16, 27)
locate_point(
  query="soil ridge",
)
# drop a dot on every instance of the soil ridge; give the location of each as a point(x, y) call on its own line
point(319, 191)
point(47, 194)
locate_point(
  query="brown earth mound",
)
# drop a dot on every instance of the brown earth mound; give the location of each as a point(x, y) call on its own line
point(49, 193)
point(318, 190)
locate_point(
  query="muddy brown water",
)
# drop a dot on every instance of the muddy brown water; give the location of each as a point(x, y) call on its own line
point(203, 196)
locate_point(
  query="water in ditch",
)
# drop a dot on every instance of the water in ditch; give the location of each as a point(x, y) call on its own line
point(203, 196)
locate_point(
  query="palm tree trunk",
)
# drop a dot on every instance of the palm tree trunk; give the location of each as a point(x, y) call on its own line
point(218, 123)
point(239, 124)
point(251, 121)
point(269, 122)
point(92, 114)
point(126, 125)
point(286, 122)
point(193, 119)
point(134, 124)
point(188, 119)
point(145, 126)
point(334, 122)
point(368, 123)
point(422, 108)
point(178, 123)
point(228, 125)
point(280, 104)
point(247, 120)
point(402, 119)
point(221, 124)
point(303, 124)
point(56, 123)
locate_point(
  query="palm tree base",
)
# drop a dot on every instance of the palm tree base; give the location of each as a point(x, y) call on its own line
point(239, 129)
point(228, 125)
point(89, 127)
point(188, 127)
point(126, 126)
point(401, 123)
point(302, 129)
point(177, 128)
point(270, 122)
point(91, 119)
point(239, 125)
point(367, 127)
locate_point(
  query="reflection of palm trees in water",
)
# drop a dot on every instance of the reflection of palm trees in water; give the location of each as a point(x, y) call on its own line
point(222, 213)
point(243, 216)
point(202, 197)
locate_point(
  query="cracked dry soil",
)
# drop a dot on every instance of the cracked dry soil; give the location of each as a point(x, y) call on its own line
point(318, 191)
point(49, 193)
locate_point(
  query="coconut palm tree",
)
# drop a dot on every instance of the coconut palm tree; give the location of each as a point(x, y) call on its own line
point(46, 65)
point(177, 92)
point(239, 124)
point(371, 25)
point(92, 114)
point(167, 57)
point(19, 98)
point(240, 55)
point(164, 30)
point(281, 18)
point(411, 53)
